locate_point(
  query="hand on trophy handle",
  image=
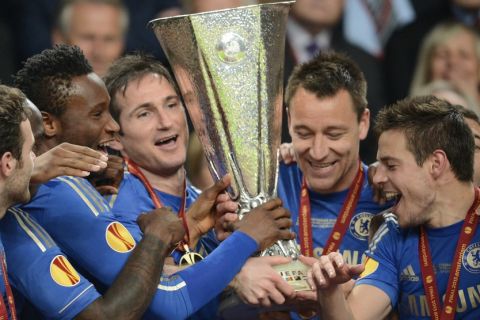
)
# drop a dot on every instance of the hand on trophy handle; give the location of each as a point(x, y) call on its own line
point(267, 223)
point(202, 214)
point(226, 216)
point(259, 283)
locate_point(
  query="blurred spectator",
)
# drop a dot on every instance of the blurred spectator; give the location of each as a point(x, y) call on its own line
point(98, 27)
point(445, 90)
point(403, 46)
point(369, 23)
point(36, 20)
point(316, 25)
point(451, 52)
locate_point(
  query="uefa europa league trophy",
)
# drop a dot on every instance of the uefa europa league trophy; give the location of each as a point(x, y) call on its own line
point(229, 67)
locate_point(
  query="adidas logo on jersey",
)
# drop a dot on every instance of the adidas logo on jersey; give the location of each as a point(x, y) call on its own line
point(408, 274)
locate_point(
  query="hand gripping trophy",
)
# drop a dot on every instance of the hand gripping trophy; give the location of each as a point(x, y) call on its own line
point(229, 67)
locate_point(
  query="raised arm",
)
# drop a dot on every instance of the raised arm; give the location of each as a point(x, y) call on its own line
point(133, 290)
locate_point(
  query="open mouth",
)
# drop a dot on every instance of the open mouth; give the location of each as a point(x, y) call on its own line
point(321, 165)
point(104, 146)
point(390, 195)
point(166, 140)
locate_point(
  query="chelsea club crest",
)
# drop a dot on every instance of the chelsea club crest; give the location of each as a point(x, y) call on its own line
point(360, 224)
point(471, 258)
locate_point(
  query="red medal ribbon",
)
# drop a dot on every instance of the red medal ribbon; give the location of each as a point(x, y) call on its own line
point(8, 291)
point(343, 220)
point(134, 169)
point(428, 276)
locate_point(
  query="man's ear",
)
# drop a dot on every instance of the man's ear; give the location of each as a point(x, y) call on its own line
point(7, 164)
point(364, 124)
point(51, 124)
point(438, 163)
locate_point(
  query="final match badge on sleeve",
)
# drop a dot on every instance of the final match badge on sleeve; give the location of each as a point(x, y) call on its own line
point(63, 273)
point(119, 238)
point(370, 267)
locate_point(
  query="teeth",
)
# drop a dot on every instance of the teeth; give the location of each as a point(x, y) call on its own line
point(166, 139)
point(390, 195)
point(321, 165)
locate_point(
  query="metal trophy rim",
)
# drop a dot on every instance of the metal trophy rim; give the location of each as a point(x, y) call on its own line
point(152, 23)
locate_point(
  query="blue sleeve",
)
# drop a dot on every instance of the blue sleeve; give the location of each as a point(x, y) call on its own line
point(40, 271)
point(192, 288)
point(80, 221)
point(381, 265)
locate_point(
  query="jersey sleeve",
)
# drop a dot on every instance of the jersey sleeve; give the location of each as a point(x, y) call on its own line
point(185, 292)
point(80, 221)
point(381, 269)
point(40, 271)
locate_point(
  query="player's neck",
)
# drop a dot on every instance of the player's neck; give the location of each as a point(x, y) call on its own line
point(171, 183)
point(451, 205)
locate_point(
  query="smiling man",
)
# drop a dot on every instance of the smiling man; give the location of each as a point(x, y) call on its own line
point(423, 261)
point(119, 255)
point(326, 190)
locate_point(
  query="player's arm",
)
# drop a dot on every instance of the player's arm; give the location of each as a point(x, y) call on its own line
point(132, 291)
point(190, 289)
point(364, 301)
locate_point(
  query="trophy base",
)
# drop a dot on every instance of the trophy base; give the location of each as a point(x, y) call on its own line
point(295, 273)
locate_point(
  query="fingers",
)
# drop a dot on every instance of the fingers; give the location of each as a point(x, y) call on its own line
point(286, 234)
point(226, 206)
point(283, 223)
point(271, 204)
point(356, 270)
point(276, 260)
point(309, 261)
point(279, 212)
point(287, 154)
point(218, 187)
point(284, 290)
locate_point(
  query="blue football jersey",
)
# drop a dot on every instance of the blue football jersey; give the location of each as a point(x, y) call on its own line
point(393, 266)
point(79, 219)
point(325, 209)
point(40, 271)
point(133, 199)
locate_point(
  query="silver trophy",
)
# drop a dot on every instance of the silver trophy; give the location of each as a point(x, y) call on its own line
point(229, 67)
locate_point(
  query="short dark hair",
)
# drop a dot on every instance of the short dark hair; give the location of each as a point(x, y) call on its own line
point(127, 69)
point(327, 74)
point(46, 78)
point(12, 114)
point(430, 124)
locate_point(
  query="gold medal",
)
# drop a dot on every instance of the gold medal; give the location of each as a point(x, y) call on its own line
point(190, 257)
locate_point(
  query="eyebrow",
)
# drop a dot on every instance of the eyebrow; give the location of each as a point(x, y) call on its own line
point(149, 105)
point(146, 105)
point(387, 158)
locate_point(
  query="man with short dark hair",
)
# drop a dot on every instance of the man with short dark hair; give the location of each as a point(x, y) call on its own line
point(82, 224)
point(326, 189)
point(16, 166)
point(428, 247)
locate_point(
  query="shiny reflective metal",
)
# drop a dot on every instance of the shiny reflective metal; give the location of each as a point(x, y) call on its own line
point(229, 67)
